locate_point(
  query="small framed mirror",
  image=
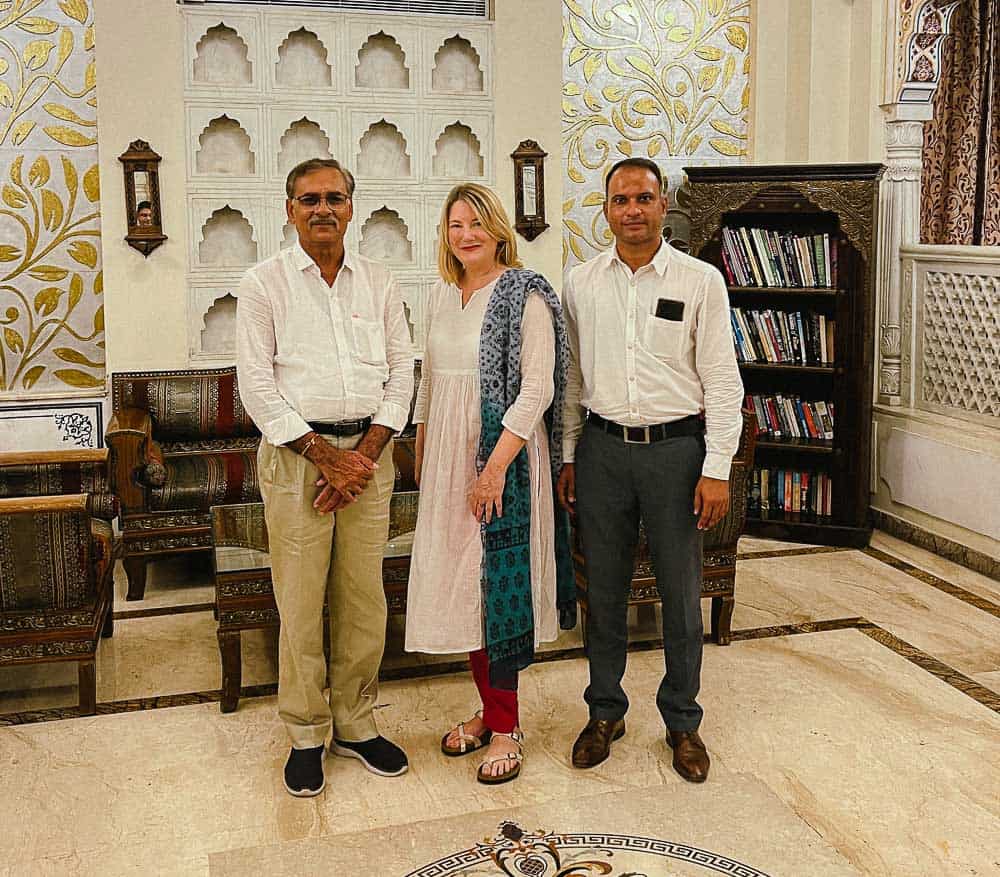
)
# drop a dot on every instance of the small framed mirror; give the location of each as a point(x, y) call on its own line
point(529, 189)
point(142, 197)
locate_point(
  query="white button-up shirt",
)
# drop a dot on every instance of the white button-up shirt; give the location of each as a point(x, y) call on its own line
point(637, 369)
point(306, 351)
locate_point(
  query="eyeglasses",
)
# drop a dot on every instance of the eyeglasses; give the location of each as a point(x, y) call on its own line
point(334, 200)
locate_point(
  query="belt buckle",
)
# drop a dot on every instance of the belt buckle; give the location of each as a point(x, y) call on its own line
point(640, 441)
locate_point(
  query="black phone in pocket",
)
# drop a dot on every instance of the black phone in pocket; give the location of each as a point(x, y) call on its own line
point(670, 309)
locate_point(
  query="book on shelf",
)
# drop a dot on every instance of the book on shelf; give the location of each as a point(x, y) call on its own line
point(798, 337)
point(781, 417)
point(768, 258)
point(791, 491)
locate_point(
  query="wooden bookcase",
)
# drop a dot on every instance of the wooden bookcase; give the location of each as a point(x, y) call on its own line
point(842, 201)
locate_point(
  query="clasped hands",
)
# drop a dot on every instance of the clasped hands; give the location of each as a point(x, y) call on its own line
point(344, 475)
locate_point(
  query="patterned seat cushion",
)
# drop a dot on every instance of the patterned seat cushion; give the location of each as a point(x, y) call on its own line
point(186, 406)
point(45, 561)
point(53, 479)
point(199, 481)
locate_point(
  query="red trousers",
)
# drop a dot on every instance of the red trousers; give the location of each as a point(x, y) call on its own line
point(499, 707)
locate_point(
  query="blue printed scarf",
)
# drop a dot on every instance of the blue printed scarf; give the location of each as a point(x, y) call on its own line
point(506, 568)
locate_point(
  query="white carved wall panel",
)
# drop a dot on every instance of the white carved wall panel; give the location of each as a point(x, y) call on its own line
point(405, 102)
point(960, 361)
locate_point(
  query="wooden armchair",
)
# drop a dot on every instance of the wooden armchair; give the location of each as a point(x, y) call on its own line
point(719, 549)
point(180, 443)
point(56, 560)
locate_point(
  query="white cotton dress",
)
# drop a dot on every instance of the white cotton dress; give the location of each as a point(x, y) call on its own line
point(444, 609)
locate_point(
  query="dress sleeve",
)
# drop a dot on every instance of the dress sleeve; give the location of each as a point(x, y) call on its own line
point(422, 401)
point(538, 362)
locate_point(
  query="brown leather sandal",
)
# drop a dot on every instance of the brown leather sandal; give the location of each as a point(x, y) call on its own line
point(466, 742)
point(516, 737)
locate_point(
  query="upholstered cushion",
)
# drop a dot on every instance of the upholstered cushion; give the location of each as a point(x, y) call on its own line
point(52, 479)
point(45, 561)
point(199, 481)
point(186, 406)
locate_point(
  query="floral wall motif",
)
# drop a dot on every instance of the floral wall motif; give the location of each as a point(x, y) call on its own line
point(664, 79)
point(51, 287)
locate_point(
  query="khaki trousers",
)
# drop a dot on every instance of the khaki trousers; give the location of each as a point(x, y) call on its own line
point(337, 556)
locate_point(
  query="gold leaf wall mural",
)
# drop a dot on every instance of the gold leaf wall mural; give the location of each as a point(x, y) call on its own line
point(662, 79)
point(51, 288)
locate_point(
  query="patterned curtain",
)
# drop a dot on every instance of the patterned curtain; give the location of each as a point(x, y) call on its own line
point(960, 192)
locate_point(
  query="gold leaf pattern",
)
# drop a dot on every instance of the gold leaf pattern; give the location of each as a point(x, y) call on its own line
point(36, 53)
point(68, 137)
point(47, 300)
point(84, 252)
point(31, 376)
point(40, 171)
point(37, 25)
point(75, 9)
point(647, 77)
point(52, 210)
point(21, 132)
point(92, 184)
point(76, 378)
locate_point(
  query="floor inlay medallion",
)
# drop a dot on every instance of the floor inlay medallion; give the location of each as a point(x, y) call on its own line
point(519, 853)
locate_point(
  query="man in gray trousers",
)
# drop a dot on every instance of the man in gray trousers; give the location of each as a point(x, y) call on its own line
point(651, 423)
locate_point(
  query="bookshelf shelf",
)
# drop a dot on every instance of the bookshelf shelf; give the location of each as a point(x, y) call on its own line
point(786, 290)
point(790, 367)
point(805, 446)
point(746, 216)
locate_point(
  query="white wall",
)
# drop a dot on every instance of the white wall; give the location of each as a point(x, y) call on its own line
point(140, 50)
point(817, 81)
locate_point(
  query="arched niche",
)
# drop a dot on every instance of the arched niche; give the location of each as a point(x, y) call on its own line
point(222, 58)
point(457, 153)
point(219, 334)
point(385, 237)
point(381, 63)
point(383, 152)
point(227, 239)
point(457, 67)
point(289, 236)
point(224, 148)
point(302, 61)
point(302, 140)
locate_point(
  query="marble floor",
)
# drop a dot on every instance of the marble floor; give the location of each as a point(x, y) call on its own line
point(853, 726)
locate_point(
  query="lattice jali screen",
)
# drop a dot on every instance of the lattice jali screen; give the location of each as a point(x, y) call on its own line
point(959, 347)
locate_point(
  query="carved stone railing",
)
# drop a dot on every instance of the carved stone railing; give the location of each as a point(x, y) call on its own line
point(950, 350)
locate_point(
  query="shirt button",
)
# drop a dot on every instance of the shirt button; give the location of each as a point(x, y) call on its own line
point(632, 379)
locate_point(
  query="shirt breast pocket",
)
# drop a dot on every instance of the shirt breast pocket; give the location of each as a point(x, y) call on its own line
point(369, 340)
point(664, 338)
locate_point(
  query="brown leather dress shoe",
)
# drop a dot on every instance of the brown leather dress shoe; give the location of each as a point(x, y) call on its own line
point(594, 743)
point(690, 756)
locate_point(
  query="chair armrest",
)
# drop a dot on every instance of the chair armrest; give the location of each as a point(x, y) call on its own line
point(103, 505)
point(46, 458)
point(129, 435)
point(64, 502)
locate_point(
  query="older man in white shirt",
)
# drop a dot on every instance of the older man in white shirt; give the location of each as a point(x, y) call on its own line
point(654, 368)
point(325, 369)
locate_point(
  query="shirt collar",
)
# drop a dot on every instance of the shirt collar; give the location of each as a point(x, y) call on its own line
point(659, 262)
point(301, 260)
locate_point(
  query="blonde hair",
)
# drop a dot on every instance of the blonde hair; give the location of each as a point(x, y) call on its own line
point(488, 209)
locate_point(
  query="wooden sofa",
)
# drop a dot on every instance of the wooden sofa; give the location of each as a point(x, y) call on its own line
point(180, 443)
point(57, 554)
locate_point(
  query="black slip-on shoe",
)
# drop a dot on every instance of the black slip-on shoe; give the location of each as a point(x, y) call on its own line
point(304, 776)
point(378, 754)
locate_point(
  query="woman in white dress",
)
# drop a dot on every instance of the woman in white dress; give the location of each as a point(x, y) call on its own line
point(488, 547)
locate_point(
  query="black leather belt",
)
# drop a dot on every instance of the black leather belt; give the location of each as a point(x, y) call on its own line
point(644, 435)
point(343, 428)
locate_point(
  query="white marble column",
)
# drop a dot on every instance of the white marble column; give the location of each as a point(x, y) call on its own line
point(898, 225)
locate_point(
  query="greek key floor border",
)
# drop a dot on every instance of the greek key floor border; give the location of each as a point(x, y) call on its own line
point(926, 662)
